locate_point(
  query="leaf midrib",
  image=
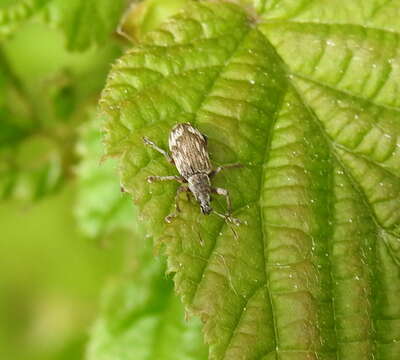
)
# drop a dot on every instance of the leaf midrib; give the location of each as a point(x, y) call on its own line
point(355, 186)
point(332, 145)
point(266, 157)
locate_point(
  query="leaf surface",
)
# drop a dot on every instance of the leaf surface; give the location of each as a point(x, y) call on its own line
point(312, 111)
point(142, 17)
point(379, 14)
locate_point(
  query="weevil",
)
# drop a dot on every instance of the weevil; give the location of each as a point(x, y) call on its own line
point(188, 147)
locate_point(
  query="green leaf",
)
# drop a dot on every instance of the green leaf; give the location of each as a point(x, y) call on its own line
point(101, 208)
point(312, 109)
point(142, 17)
point(141, 318)
point(86, 23)
point(379, 14)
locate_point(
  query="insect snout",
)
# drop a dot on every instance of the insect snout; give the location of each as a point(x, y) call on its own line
point(199, 185)
point(205, 208)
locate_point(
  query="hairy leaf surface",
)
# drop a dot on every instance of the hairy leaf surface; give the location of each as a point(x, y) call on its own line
point(379, 14)
point(310, 105)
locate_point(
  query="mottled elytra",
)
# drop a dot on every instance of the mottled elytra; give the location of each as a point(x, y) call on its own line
point(189, 154)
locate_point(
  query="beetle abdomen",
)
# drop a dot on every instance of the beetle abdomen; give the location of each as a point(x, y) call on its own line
point(189, 150)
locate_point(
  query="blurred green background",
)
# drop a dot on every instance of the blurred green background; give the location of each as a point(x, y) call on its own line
point(78, 279)
point(51, 276)
point(51, 270)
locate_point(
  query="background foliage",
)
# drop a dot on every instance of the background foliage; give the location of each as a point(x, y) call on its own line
point(54, 58)
point(304, 93)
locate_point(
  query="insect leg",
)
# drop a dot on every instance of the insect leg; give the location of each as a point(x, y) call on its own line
point(152, 179)
point(223, 167)
point(148, 142)
point(224, 192)
point(170, 217)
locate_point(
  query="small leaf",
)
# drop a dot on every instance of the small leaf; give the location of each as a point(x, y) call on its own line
point(86, 23)
point(142, 319)
point(312, 111)
point(145, 16)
